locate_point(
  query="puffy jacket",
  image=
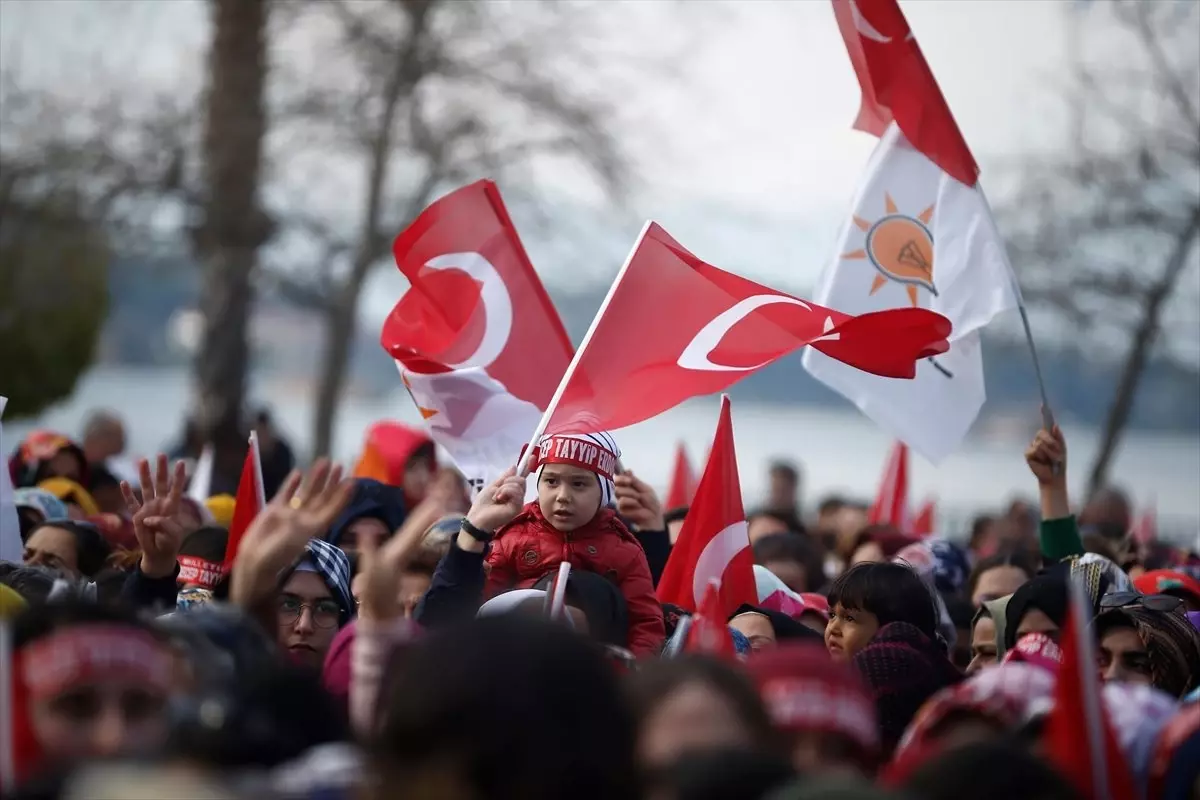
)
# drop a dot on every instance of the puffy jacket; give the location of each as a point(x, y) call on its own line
point(529, 547)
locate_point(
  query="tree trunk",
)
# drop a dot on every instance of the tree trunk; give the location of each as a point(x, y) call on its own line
point(342, 319)
point(1139, 355)
point(234, 225)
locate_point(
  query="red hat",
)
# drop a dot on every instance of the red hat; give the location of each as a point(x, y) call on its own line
point(1168, 581)
point(804, 690)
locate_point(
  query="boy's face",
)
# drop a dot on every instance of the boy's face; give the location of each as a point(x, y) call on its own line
point(568, 496)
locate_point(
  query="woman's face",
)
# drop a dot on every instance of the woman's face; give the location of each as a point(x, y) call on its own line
point(1123, 658)
point(1036, 621)
point(997, 582)
point(308, 618)
point(983, 645)
point(64, 464)
point(849, 630)
point(53, 547)
point(755, 627)
point(101, 719)
point(692, 717)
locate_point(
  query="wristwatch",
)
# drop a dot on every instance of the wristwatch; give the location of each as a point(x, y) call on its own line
point(476, 533)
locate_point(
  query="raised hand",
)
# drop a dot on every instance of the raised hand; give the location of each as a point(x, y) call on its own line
point(638, 503)
point(379, 567)
point(302, 510)
point(1047, 457)
point(499, 502)
point(158, 523)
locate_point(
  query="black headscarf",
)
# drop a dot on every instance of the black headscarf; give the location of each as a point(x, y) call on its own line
point(786, 628)
point(600, 601)
point(1047, 593)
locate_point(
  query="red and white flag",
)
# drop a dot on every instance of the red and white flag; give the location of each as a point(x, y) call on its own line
point(714, 543)
point(250, 500)
point(1078, 738)
point(921, 235)
point(891, 500)
point(636, 362)
point(925, 521)
point(708, 632)
point(478, 342)
point(683, 480)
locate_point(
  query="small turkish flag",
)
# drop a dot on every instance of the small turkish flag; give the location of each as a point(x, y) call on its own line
point(683, 480)
point(714, 543)
point(709, 633)
point(891, 501)
point(925, 521)
point(249, 502)
point(637, 361)
point(1078, 738)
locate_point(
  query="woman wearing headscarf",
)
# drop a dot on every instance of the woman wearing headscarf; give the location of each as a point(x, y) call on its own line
point(46, 454)
point(987, 635)
point(314, 602)
point(1142, 644)
point(35, 506)
point(1039, 606)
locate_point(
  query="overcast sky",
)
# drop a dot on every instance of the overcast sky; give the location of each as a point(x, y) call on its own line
point(746, 156)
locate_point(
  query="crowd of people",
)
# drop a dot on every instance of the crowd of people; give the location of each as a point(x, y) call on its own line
point(400, 639)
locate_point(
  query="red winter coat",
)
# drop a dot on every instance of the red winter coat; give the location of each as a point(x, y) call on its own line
point(528, 548)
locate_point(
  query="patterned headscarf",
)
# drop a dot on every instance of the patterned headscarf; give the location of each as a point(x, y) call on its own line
point(1138, 714)
point(333, 566)
point(1172, 643)
point(1099, 576)
point(950, 566)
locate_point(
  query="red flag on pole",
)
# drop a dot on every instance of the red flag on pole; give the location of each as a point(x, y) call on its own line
point(709, 634)
point(636, 362)
point(478, 342)
point(891, 501)
point(250, 500)
point(925, 523)
point(683, 480)
point(714, 543)
point(1078, 737)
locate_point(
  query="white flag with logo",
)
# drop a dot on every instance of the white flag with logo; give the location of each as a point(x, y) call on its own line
point(918, 238)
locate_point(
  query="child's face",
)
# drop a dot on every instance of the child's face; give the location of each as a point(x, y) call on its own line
point(568, 496)
point(848, 631)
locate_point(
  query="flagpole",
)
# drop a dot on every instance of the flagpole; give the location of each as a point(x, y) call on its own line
point(1047, 413)
point(523, 464)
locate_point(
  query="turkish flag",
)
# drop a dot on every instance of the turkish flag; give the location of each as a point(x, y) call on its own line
point(714, 543)
point(1078, 738)
point(250, 500)
point(898, 85)
point(478, 343)
point(925, 522)
point(709, 634)
point(683, 480)
point(891, 501)
point(673, 327)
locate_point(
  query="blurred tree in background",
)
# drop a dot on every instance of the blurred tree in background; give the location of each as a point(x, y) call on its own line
point(53, 292)
point(1107, 233)
point(415, 97)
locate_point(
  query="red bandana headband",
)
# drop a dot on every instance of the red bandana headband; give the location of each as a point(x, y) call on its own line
point(193, 569)
point(810, 703)
point(580, 453)
point(87, 653)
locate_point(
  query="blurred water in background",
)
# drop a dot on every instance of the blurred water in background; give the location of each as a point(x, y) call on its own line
point(840, 451)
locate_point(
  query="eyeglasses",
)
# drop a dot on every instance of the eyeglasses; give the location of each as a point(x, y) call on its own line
point(325, 613)
point(1165, 603)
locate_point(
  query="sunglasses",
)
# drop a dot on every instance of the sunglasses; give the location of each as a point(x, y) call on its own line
point(1154, 602)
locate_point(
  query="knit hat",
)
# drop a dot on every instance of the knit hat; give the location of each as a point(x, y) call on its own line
point(804, 690)
point(596, 452)
point(221, 508)
point(904, 668)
